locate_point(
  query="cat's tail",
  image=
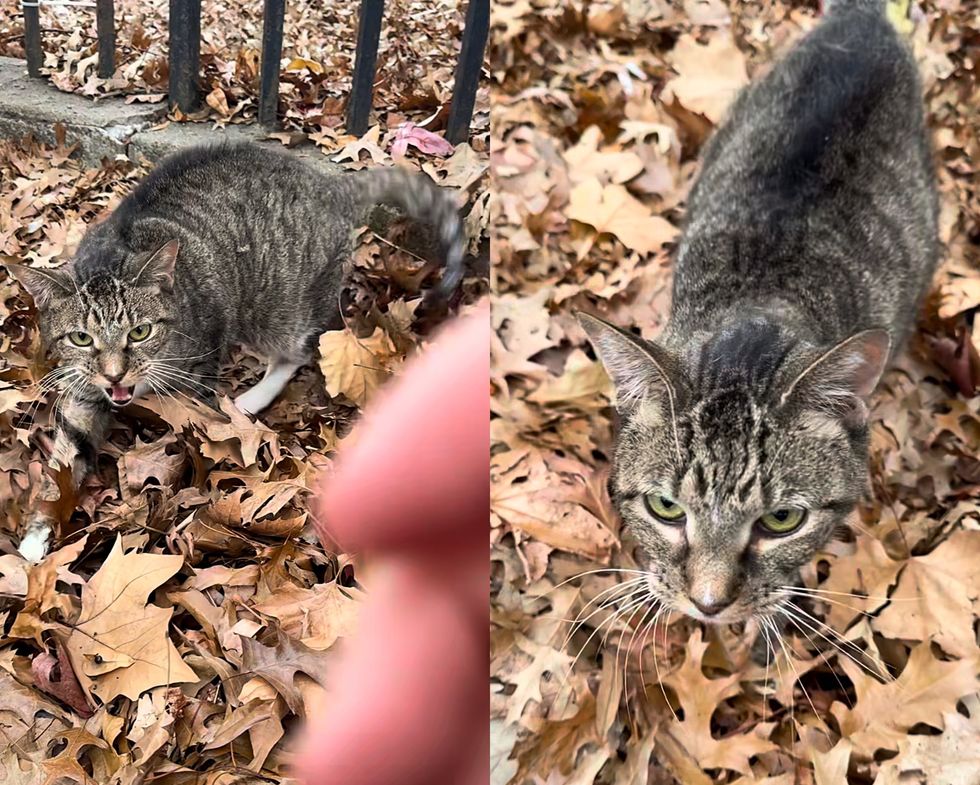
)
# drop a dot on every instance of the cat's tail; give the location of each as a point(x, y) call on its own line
point(423, 200)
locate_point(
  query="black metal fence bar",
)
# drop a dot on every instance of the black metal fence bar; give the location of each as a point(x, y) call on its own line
point(106, 29)
point(185, 58)
point(275, 12)
point(365, 62)
point(185, 54)
point(32, 38)
point(468, 69)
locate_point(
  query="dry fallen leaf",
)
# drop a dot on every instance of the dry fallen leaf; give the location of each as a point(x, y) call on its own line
point(938, 596)
point(119, 644)
point(280, 664)
point(699, 697)
point(354, 367)
point(947, 759)
point(883, 713)
point(316, 617)
point(612, 209)
point(709, 76)
point(55, 676)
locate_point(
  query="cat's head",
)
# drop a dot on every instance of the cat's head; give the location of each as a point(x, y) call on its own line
point(108, 327)
point(737, 460)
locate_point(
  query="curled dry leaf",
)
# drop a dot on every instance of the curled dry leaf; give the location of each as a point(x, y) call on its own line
point(409, 134)
point(55, 676)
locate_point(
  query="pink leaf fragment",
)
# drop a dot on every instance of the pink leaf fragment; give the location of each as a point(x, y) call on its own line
point(426, 141)
point(54, 675)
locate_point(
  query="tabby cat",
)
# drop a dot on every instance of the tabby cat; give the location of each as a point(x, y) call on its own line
point(219, 245)
point(810, 239)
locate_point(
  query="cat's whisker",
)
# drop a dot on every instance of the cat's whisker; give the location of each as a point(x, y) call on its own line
point(585, 574)
point(656, 665)
point(799, 680)
point(637, 604)
point(47, 384)
point(645, 639)
point(779, 673)
point(652, 607)
point(173, 390)
point(169, 392)
point(815, 598)
point(575, 659)
point(579, 622)
point(769, 651)
point(52, 380)
point(190, 356)
point(855, 658)
point(156, 392)
point(618, 592)
point(191, 386)
point(74, 386)
point(817, 649)
point(185, 335)
point(611, 621)
point(158, 363)
point(789, 604)
point(842, 652)
point(811, 590)
point(178, 376)
point(53, 375)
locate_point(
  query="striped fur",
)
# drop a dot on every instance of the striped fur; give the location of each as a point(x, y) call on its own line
point(219, 245)
point(810, 241)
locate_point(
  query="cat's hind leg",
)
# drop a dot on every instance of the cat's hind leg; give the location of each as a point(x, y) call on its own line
point(277, 375)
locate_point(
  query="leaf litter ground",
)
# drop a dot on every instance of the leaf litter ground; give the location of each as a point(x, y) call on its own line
point(186, 615)
point(599, 112)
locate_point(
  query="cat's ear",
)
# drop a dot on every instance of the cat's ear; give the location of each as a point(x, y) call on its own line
point(43, 285)
point(158, 270)
point(843, 378)
point(637, 368)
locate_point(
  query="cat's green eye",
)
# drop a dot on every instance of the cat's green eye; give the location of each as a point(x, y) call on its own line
point(80, 339)
point(664, 508)
point(140, 332)
point(782, 521)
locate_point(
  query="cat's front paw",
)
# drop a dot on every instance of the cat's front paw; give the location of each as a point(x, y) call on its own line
point(252, 402)
point(67, 455)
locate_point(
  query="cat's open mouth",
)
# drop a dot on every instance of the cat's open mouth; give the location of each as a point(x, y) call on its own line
point(119, 395)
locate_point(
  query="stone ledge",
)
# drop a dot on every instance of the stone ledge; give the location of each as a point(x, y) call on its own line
point(109, 127)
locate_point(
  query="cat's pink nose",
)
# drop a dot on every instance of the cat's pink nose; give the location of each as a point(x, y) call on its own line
point(714, 607)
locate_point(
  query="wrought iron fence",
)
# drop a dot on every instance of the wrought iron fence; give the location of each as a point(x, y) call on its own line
point(185, 57)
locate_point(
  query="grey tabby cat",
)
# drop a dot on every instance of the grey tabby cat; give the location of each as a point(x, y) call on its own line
point(810, 239)
point(219, 245)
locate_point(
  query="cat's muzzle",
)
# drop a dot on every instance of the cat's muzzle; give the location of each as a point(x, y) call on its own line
point(120, 395)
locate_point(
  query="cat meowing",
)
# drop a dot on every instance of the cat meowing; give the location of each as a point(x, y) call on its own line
point(217, 246)
point(810, 240)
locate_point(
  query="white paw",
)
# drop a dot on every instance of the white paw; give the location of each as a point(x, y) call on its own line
point(250, 403)
point(64, 453)
point(34, 545)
